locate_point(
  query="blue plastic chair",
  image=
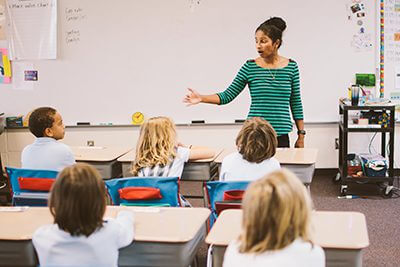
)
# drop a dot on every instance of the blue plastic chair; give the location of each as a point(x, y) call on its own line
point(215, 192)
point(24, 197)
point(168, 186)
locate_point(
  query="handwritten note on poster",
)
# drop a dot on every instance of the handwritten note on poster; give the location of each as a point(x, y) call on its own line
point(33, 29)
point(73, 16)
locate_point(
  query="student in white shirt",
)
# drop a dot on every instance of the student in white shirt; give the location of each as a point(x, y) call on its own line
point(79, 235)
point(275, 226)
point(46, 153)
point(158, 152)
point(256, 144)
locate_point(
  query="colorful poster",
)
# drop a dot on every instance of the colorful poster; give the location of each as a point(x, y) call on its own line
point(5, 66)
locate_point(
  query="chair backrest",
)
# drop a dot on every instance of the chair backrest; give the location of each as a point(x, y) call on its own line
point(220, 206)
point(30, 182)
point(148, 191)
point(223, 190)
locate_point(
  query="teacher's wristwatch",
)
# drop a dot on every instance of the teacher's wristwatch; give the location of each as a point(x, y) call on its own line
point(301, 132)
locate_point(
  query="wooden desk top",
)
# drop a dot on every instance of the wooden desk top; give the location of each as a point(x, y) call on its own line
point(331, 229)
point(97, 153)
point(130, 156)
point(177, 225)
point(284, 155)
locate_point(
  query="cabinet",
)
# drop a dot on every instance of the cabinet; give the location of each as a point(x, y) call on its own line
point(385, 129)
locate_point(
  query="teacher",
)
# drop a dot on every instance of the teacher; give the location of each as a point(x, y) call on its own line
point(274, 85)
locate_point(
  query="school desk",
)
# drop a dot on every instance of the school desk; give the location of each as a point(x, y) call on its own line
point(301, 161)
point(163, 236)
point(104, 159)
point(342, 235)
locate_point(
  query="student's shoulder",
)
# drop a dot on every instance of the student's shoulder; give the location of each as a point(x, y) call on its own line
point(232, 158)
point(62, 147)
point(183, 152)
point(45, 231)
point(233, 155)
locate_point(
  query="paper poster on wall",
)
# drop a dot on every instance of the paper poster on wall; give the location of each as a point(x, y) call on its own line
point(24, 75)
point(2, 20)
point(392, 31)
point(5, 66)
point(33, 29)
point(357, 14)
point(397, 77)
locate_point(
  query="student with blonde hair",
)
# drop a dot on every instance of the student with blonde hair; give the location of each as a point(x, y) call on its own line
point(158, 152)
point(79, 235)
point(275, 226)
point(256, 144)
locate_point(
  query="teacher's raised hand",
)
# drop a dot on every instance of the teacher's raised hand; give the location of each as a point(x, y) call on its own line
point(192, 98)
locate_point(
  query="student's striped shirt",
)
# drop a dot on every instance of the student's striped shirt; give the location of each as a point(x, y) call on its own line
point(273, 93)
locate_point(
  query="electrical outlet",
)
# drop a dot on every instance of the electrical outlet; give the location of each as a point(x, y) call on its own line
point(336, 143)
point(90, 143)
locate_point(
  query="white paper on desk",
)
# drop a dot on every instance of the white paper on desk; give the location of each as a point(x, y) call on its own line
point(13, 209)
point(397, 77)
point(33, 29)
point(18, 79)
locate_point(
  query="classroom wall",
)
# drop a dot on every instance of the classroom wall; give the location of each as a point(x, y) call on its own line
point(142, 55)
point(320, 136)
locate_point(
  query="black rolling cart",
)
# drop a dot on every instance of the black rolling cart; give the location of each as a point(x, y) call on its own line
point(387, 111)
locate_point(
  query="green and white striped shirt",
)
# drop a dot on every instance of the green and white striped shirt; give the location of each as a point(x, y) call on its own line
point(273, 92)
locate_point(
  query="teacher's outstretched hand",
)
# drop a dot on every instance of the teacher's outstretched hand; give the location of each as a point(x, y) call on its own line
point(274, 84)
point(193, 98)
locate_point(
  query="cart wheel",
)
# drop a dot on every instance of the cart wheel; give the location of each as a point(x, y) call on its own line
point(343, 190)
point(388, 194)
point(336, 178)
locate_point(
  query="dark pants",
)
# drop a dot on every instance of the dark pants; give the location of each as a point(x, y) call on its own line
point(283, 141)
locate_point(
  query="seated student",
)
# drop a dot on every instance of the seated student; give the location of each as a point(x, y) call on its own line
point(256, 144)
point(46, 152)
point(79, 235)
point(158, 152)
point(275, 226)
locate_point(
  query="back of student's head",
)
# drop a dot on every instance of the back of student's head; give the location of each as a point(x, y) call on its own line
point(276, 211)
point(78, 200)
point(156, 143)
point(257, 140)
point(40, 119)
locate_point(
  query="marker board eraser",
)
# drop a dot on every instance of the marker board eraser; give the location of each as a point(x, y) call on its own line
point(83, 123)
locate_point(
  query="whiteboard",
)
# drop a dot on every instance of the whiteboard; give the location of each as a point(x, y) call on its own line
point(122, 56)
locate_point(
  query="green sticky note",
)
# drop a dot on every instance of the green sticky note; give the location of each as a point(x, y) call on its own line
point(365, 79)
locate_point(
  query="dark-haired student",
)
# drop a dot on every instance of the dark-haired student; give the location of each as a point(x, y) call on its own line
point(256, 144)
point(46, 153)
point(79, 235)
point(274, 85)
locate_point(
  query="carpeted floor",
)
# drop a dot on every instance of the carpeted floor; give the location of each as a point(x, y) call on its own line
point(383, 218)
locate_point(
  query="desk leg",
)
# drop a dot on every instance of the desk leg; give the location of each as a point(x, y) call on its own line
point(218, 253)
point(343, 257)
